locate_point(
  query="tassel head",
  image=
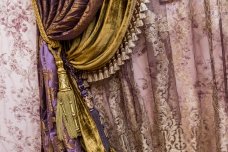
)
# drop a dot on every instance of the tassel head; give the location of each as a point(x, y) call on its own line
point(106, 72)
point(66, 115)
point(101, 76)
point(90, 78)
point(64, 84)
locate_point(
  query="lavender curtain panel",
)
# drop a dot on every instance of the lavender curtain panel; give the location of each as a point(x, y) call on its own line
point(19, 95)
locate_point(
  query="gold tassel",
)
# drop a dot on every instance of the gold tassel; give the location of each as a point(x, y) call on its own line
point(142, 15)
point(59, 120)
point(116, 67)
point(101, 76)
point(111, 69)
point(106, 73)
point(128, 37)
point(90, 78)
point(128, 50)
point(131, 28)
point(137, 30)
point(134, 37)
point(65, 105)
point(84, 75)
point(124, 56)
point(125, 42)
point(67, 100)
point(143, 7)
point(95, 77)
point(131, 44)
point(119, 60)
point(139, 23)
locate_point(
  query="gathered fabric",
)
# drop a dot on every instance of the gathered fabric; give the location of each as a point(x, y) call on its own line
point(83, 36)
point(103, 37)
point(95, 37)
point(164, 82)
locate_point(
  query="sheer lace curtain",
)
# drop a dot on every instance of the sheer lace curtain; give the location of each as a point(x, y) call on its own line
point(172, 95)
point(19, 102)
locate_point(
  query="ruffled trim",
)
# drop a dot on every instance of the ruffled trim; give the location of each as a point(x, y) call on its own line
point(125, 49)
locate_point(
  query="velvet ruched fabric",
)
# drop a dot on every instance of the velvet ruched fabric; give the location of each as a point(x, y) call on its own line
point(95, 33)
point(102, 39)
point(89, 33)
point(64, 20)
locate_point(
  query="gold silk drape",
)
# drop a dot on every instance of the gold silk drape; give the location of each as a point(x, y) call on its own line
point(64, 20)
point(103, 37)
point(96, 36)
point(91, 34)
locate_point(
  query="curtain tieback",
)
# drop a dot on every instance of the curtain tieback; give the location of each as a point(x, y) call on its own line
point(66, 112)
point(71, 110)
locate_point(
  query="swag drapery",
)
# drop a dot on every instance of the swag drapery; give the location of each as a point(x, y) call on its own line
point(170, 97)
point(88, 40)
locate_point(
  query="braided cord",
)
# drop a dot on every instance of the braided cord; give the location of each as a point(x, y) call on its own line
point(52, 44)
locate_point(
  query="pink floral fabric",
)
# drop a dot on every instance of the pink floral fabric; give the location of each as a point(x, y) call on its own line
point(171, 97)
point(19, 97)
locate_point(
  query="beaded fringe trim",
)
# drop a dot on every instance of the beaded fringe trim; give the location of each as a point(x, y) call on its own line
point(125, 49)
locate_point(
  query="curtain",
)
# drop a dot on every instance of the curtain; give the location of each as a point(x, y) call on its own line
point(19, 95)
point(74, 36)
point(172, 95)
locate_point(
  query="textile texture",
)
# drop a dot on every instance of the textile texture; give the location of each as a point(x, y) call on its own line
point(172, 95)
point(93, 48)
point(19, 95)
point(48, 86)
point(96, 28)
point(71, 111)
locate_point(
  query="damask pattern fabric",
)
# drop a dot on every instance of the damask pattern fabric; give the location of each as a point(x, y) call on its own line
point(172, 96)
point(19, 95)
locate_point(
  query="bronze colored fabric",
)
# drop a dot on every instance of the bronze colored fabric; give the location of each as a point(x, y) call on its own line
point(95, 36)
point(103, 37)
point(68, 101)
point(95, 39)
point(64, 20)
